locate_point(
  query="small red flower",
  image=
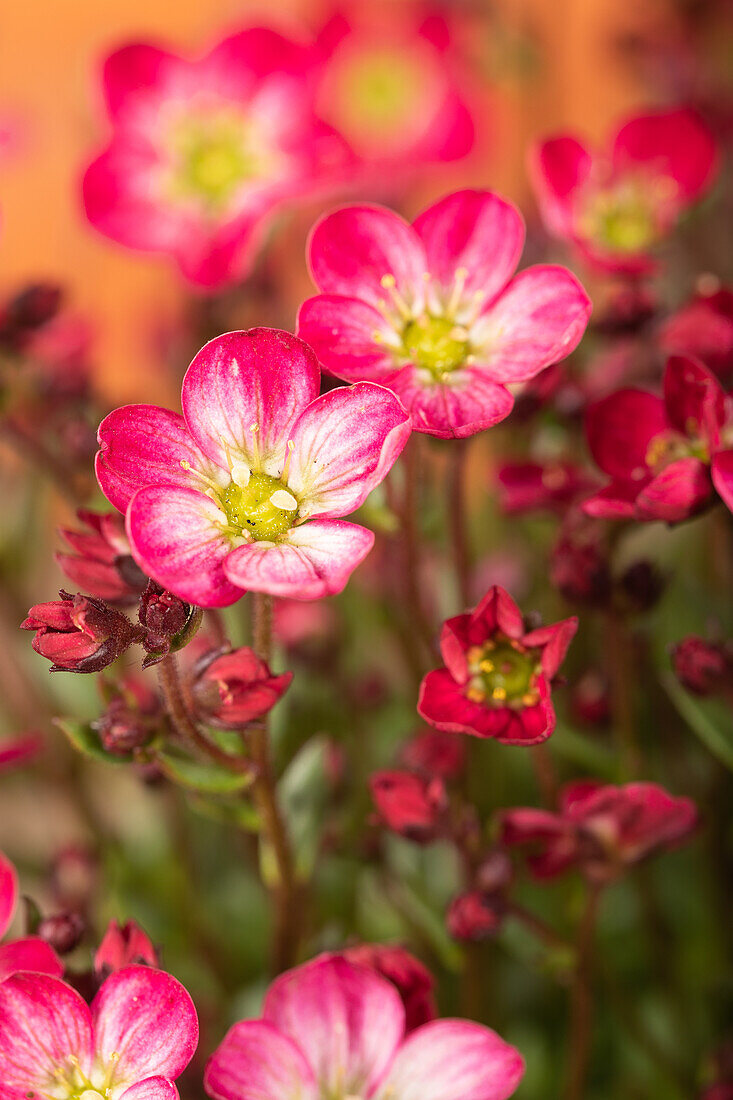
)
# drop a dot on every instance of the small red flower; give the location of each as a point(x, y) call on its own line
point(102, 564)
point(474, 916)
point(79, 633)
point(497, 678)
point(704, 668)
point(233, 688)
point(414, 981)
point(703, 329)
point(123, 945)
point(409, 804)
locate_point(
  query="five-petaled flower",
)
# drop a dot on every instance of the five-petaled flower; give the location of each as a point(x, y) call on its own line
point(332, 1029)
point(233, 687)
point(618, 206)
point(412, 979)
point(29, 952)
point(137, 1037)
point(410, 804)
point(432, 311)
point(497, 678)
point(246, 489)
point(664, 454)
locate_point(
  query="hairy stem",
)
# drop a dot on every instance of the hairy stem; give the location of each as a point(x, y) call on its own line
point(177, 708)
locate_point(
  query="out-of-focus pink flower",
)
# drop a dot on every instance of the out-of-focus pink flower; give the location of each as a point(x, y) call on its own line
point(298, 624)
point(600, 829)
point(703, 329)
point(474, 916)
point(590, 702)
point(433, 310)
point(246, 489)
point(102, 564)
point(203, 153)
point(15, 751)
point(435, 753)
point(703, 667)
point(664, 455)
point(618, 205)
point(330, 1028)
point(233, 688)
point(394, 89)
point(79, 633)
point(413, 980)
point(30, 952)
point(124, 945)
point(410, 804)
point(135, 1039)
point(536, 486)
point(580, 566)
point(497, 678)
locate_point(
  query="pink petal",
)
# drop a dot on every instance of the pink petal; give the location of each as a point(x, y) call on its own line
point(351, 250)
point(148, 1018)
point(14, 752)
point(496, 611)
point(670, 143)
point(316, 560)
point(558, 167)
point(530, 725)
point(175, 537)
point(8, 893)
point(344, 445)
point(616, 501)
point(243, 393)
point(538, 320)
point(144, 445)
point(254, 54)
point(30, 953)
point(343, 333)
point(677, 492)
point(694, 398)
point(43, 1024)
point(347, 1020)
point(448, 1059)
point(255, 1061)
point(620, 428)
point(133, 70)
point(722, 473)
point(154, 1088)
point(554, 641)
point(469, 403)
point(476, 231)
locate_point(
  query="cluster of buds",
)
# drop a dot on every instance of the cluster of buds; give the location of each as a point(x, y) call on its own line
point(131, 718)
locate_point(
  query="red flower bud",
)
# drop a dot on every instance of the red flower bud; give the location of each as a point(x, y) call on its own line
point(63, 932)
point(475, 916)
point(102, 564)
point(79, 633)
point(414, 981)
point(233, 688)
point(33, 307)
point(436, 753)
point(409, 804)
point(704, 668)
point(123, 945)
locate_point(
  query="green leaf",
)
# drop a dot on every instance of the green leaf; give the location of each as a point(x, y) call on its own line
point(86, 741)
point(240, 813)
point(303, 792)
point(702, 718)
point(195, 775)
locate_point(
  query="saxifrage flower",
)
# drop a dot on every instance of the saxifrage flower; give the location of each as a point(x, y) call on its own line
point(410, 804)
point(332, 1029)
point(497, 676)
point(432, 310)
point(618, 205)
point(29, 952)
point(703, 329)
point(137, 1037)
point(233, 687)
point(664, 455)
point(411, 978)
point(246, 489)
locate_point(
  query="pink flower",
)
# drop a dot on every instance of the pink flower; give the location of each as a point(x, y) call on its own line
point(233, 688)
point(203, 153)
point(600, 829)
point(330, 1028)
point(413, 981)
point(475, 916)
point(121, 946)
point(662, 452)
point(79, 633)
point(497, 678)
point(15, 751)
point(138, 1035)
point(28, 953)
point(102, 565)
point(550, 486)
point(617, 206)
point(703, 329)
point(246, 489)
point(409, 804)
point(432, 311)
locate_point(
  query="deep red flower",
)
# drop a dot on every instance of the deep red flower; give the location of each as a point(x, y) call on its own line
point(704, 668)
point(497, 678)
point(703, 329)
point(664, 455)
point(474, 916)
point(233, 688)
point(79, 633)
point(548, 486)
point(413, 980)
point(123, 945)
point(102, 564)
point(409, 804)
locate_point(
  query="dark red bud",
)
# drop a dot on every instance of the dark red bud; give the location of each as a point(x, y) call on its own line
point(63, 932)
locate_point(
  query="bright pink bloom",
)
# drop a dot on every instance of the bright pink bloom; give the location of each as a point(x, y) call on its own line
point(137, 1037)
point(497, 678)
point(432, 311)
point(409, 804)
point(15, 751)
point(102, 564)
point(233, 688)
point(703, 329)
point(600, 829)
point(550, 486)
point(330, 1028)
point(79, 633)
point(662, 452)
point(245, 490)
point(28, 953)
point(618, 205)
point(414, 981)
point(124, 945)
point(203, 153)
point(435, 753)
point(475, 916)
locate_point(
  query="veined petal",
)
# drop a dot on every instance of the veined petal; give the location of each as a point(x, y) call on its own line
point(176, 538)
point(446, 1059)
point(154, 1088)
point(350, 338)
point(348, 1021)
point(344, 445)
point(470, 402)
point(30, 953)
point(147, 1018)
point(316, 560)
point(44, 1023)
point(255, 1061)
point(8, 893)
point(243, 393)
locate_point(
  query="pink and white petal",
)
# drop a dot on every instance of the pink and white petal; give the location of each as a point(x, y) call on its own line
point(215, 256)
point(615, 501)
point(537, 321)
point(349, 337)
point(468, 403)
point(147, 1018)
point(143, 445)
point(679, 491)
point(619, 429)
point(255, 1061)
point(44, 1023)
point(132, 71)
point(8, 893)
point(722, 473)
point(176, 538)
point(348, 1022)
point(475, 231)
point(352, 249)
point(153, 1088)
point(558, 167)
point(344, 445)
point(446, 1059)
point(243, 393)
point(30, 953)
point(677, 144)
point(316, 560)
point(120, 200)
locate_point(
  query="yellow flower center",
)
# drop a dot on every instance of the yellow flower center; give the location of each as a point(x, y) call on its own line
point(436, 344)
point(211, 155)
point(624, 216)
point(502, 673)
point(262, 509)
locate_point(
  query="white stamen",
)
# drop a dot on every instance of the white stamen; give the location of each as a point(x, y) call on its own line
point(281, 498)
point(240, 472)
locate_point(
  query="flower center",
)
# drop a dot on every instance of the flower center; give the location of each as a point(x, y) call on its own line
point(502, 674)
point(623, 217)
point(437, 344)
point(212, 156)
point(261, 509)
point(667, 447)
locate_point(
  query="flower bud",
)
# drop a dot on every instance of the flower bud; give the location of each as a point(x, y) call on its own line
point(435, 753)
point(474, 916)
point(233, 688)
point(63, 932)
point(590, 701)
point(704, 668)
point(121, 728)
point(409, 804)
point(102, 564)
point(123, 945)
point(79, 633)
point(33, 307)
point(641, 586)
point(414, 981)
point(495, 872)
